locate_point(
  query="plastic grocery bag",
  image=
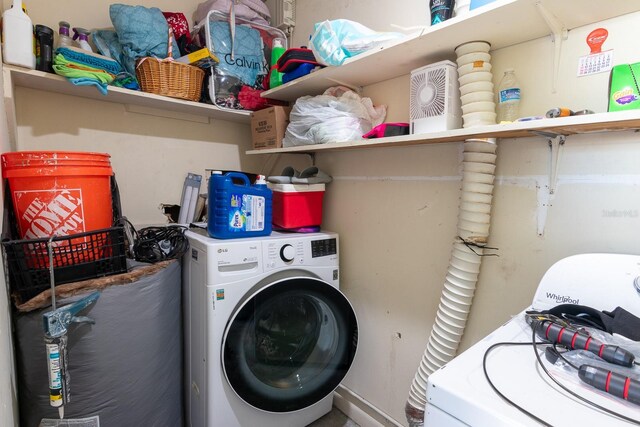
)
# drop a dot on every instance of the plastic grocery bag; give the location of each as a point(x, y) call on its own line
point(338, 115)
point(334, 41)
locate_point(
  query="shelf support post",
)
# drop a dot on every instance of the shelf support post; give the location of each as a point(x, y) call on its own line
point(558, 34)
point(545, 197)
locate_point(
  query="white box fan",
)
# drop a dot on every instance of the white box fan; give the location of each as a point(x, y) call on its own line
point(435, 98)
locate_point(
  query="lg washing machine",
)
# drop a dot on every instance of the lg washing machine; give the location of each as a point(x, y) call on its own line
point(268, 334)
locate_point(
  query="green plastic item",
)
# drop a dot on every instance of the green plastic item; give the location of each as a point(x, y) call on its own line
point(275, 78)
point(624, 93)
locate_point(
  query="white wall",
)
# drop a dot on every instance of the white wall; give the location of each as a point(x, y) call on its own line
point(395, 208)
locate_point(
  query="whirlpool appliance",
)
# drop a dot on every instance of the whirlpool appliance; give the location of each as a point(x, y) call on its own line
point(458, 394)
point(269, 336)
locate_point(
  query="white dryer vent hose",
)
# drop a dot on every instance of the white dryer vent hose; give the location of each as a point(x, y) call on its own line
point(478, 174)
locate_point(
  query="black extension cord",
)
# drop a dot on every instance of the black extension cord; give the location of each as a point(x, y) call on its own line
point(156, 243)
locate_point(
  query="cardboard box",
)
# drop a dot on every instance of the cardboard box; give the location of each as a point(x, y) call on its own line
point(202, 58)
point(268, 126)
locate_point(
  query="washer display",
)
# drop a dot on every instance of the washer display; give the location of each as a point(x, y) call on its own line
point(269, 335)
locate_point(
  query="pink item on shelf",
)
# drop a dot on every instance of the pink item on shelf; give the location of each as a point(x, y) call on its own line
point(388, 129)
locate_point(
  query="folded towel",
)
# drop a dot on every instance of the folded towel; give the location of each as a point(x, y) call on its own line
point(90, 59)
point(87, 81)
point(71, 69)
point(82, 75)
point(127, 81)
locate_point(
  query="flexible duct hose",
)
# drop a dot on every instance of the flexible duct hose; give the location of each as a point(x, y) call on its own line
point(478, 174)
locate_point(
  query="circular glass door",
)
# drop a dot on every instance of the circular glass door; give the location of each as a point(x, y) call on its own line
point(290, 345)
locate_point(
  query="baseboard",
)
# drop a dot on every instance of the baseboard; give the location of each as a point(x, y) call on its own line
point(360, 410)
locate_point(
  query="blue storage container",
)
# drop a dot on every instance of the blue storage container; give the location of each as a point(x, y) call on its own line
point(238, 210)
point(477, 3)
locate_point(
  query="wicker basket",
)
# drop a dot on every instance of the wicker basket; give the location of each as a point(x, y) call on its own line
point(170, 78)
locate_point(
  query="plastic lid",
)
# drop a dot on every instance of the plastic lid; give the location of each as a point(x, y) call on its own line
point(80, 33)
point(261, 180)
point(216, 172)
point(43, 29)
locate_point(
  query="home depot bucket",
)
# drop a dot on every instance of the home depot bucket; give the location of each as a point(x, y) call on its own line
point(58, 192)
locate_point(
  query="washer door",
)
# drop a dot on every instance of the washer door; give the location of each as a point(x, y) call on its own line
point(290, 345)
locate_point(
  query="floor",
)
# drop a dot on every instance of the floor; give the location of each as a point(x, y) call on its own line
point(335, 418)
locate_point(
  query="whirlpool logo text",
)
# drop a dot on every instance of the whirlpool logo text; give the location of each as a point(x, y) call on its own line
point(562, 299)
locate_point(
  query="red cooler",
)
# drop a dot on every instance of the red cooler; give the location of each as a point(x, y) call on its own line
point(297, 205)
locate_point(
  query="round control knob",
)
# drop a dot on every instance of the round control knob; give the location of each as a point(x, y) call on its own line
point(287, 253)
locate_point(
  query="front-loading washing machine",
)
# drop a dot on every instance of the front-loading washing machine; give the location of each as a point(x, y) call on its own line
point(268, 334)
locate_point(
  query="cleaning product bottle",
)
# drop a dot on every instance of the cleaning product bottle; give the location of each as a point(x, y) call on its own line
point(508, 97)
point(238, 209)
point(17, 37)
point(441, 10)
point(44, 48)
point(82, 38)
point(64, 40)
point(275, 77)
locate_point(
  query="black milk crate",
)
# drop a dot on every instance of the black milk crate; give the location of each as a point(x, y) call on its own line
point(76, 257)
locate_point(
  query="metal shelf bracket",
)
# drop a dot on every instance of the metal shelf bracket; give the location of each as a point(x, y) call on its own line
point(545, 197)
point(558, 33)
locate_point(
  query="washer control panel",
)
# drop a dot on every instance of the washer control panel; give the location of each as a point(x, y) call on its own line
point(299, 252)
point(324, 247)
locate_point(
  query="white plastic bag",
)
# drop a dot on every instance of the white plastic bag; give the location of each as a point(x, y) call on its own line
point(334, 41)
point(338, 115)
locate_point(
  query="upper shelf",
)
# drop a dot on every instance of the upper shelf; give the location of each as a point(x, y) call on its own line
point(601, 122)
point(54, 83)
point(502, 23)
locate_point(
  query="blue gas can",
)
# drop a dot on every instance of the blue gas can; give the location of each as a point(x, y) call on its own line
point(238, 210)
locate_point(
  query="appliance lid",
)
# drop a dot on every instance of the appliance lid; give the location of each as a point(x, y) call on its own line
point(601, 281)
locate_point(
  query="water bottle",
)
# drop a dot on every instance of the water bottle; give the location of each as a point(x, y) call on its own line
point(508, 97)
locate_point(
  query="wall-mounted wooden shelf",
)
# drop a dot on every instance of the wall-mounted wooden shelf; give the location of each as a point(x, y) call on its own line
point(502, 23)
point(601, 122)
point(15, 76)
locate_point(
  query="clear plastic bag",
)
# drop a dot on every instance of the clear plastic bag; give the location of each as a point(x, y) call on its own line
point(338, 115)
point(243, 48)
point(334, 41)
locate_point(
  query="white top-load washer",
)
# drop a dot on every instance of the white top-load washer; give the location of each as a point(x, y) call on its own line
point(458, 394)
point(268, 334)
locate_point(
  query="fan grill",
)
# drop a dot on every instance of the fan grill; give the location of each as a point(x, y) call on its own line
point(428, 93)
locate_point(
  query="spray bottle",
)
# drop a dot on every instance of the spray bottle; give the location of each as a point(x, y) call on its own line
point(17, 37)
point(81, 36)
point(64, 40)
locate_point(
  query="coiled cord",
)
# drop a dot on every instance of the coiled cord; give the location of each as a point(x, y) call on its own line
point(156, 243)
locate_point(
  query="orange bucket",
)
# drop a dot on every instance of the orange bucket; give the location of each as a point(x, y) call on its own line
point(59, 192)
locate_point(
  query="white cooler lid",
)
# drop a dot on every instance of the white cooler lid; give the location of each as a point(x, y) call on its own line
point(296, 188)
